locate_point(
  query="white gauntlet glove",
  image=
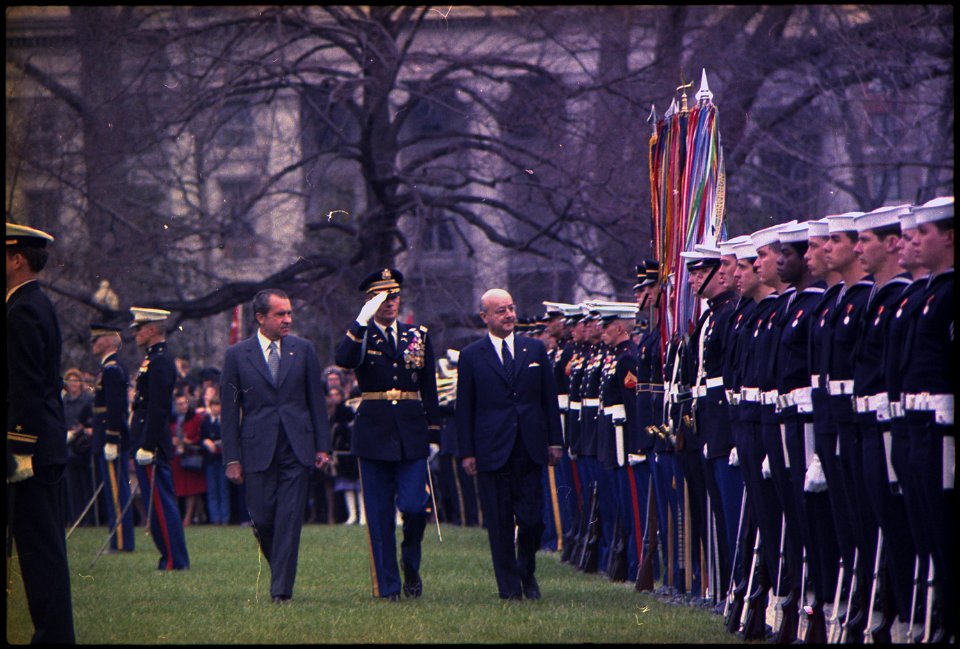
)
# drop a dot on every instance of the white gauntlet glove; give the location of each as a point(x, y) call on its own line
point(765, 468)
point(815, 481)
point(734, 459)
point(636, 458)
point(144, 457)
point(110, 452)
point(363, 319)
point(24, 468)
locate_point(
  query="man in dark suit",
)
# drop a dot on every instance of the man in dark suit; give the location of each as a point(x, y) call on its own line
point(508, 425)
point(399, 416)
point(274, 428)
point(36, 439)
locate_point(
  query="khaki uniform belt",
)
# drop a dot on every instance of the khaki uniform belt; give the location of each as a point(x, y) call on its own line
point(391, 395)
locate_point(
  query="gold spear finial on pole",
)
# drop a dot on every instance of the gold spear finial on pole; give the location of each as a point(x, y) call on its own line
point(683, 98)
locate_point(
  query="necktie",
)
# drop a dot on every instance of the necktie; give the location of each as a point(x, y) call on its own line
point(390, 341)
point(507, 362)
point(273, 360)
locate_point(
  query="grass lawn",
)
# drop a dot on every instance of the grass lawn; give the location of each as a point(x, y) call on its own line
point(224, 598)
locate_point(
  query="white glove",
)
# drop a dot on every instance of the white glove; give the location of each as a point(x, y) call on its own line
point(144, 457)
point(765, 468)
point(434, 449)
point(815, 480)
point(636, 458)
point(110, 452)
point(370, 308)
point(24, 468)
point(734, 458)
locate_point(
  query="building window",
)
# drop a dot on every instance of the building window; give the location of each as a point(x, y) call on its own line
point(437, 236)
point(236, 124)
point(42, 209)
point(239, 233)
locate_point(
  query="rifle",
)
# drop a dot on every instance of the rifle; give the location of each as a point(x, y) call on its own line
point(645, 571)
point(732, 599)
point(778, 618)
point(916, 591)
point(589, 556)
point(754, 620)
point(834, 622)
point(617, 560)
point(928, 617)
point(802, 621)
point(874, 581)
point(853, 587)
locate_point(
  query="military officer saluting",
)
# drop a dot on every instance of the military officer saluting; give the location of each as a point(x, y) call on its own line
point(398, 417)
point(111, 435)
point(150, 436)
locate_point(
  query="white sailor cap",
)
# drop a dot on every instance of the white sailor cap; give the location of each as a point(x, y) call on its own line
point(794, 233)
point(143, 315)
point(908, 220)
point(726, 247)
point(881, 217)
point(691, 258)
point(745, 250)
point(818, 228)
point(769, 235)
point(708, 252)
point(842, 222)
point(939, 209)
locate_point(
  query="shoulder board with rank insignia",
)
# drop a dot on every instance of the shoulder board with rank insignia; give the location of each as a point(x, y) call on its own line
point(423, 329)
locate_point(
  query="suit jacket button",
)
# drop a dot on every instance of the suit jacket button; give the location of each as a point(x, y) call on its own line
point(394, 402)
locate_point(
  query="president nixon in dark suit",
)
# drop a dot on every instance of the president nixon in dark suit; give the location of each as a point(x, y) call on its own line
point(274, 428)
point(508, 427)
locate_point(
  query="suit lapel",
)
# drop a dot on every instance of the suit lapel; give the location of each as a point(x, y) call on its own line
point(255, 356)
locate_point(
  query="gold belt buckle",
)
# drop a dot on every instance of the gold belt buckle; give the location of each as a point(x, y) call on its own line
point(392, 394)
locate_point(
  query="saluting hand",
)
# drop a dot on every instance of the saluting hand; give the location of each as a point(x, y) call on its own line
point(371, 307)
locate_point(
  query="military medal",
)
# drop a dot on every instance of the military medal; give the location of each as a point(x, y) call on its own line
point(796, 320)
point(846, 320)
point(876, 321)
point(926, 307)
point(902, 304)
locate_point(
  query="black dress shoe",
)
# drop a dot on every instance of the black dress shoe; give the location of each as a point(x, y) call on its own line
point(280, 599)
point(412, 585)
point(531, 589)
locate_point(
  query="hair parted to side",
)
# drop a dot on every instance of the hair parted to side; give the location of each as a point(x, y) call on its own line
point(261, 301)
point(36, 258)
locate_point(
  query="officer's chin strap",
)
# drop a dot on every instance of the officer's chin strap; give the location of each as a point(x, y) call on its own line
point(713, 271)
point(643, 302)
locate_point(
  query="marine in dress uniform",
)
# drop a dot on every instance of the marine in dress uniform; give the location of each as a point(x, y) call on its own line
point(927, 398)
point(650, 424)
point(399, 416)
point(150, 437)
point(36, 438)
point(573, 370)
point(618, 439)
point(111, 433)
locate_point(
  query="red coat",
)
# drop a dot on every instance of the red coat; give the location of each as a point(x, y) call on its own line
point(187, 482)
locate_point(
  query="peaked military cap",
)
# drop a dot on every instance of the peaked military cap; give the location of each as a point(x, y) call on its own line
point(385, 279)
point(98, 329)
point(143, 315)
point(22, 236)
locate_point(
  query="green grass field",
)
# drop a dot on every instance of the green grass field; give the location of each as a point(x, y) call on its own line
point(224, 598)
